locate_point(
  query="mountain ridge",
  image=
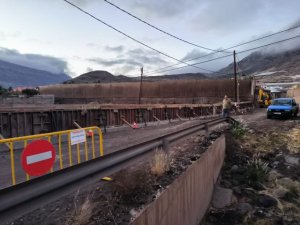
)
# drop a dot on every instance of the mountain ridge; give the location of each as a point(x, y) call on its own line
point(14, 75)
point(101, 76)
point(280, 67)
point(283, 66)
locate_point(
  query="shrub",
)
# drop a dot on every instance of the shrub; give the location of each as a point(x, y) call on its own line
point(2, 90)
point(160, 163)
point(256, 172)
point(238, 130)
point(132, 186)
point(83, 210)
point(30, 92)
point(294, 191)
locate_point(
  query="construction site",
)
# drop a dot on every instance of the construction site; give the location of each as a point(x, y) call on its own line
point(199, 136)
point(116, 104)
point(143, 150)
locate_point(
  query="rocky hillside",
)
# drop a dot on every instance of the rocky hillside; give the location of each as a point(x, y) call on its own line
point(98, 76)
point(284, 66)
point(13, 75)
point(106, 77)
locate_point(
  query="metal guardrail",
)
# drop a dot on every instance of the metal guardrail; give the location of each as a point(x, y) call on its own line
point(62, 141)
point(25, 197)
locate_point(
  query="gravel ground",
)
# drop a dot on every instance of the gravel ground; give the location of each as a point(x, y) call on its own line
point(262, 173)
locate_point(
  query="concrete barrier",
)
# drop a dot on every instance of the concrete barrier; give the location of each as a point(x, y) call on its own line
point(187, 199)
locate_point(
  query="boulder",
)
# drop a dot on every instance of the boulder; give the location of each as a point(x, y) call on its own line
point(267, 201)
point(222, 197)
point(244, 208)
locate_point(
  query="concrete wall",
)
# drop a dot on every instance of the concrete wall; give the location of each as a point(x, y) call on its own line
point(187, 199)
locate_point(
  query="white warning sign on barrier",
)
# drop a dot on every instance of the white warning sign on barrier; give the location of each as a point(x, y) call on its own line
point(78, 136)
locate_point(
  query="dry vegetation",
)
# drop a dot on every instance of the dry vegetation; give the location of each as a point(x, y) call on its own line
point(83, 210)
point(274, 140)
point(293, 143)
point(160, 163)
point(130, 184)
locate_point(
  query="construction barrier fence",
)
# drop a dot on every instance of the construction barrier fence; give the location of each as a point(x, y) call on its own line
point(71, 147)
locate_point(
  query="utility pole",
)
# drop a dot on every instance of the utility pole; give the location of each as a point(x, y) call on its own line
point(141, 113)
point(235, 78)
point(141, 86)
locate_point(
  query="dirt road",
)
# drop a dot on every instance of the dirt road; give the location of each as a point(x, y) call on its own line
point(258, 120)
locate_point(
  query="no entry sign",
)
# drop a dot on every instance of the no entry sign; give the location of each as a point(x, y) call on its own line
point(38, 157)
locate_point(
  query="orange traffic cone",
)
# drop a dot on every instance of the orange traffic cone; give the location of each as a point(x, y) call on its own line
point(90, 133)
point(135, 126)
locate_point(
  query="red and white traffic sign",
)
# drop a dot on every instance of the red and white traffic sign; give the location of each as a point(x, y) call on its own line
point(38, 157)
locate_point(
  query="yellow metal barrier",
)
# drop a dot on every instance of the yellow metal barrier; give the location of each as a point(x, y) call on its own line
point(65, 154)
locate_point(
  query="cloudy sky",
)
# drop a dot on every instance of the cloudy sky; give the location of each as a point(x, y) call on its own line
point(54, 36)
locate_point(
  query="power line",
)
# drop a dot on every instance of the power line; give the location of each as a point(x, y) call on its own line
point(159, 29)
point(235, 46)
point(229, 55)
point(276, 42)
point(187, 64)
point(221, 57)
point(128, 36)
point(247, 50)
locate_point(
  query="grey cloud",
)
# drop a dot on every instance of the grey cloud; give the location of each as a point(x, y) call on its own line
point(162, 8)
point(277, 47)
point(234, 16)
point(89, 69)
point(138, 52)
point(124, 69)
point(195, 53)
point(41, 62)
point(282, 47)
point(213, 66)
point(117, 49)
point(135, 57)
point(295, 24)
point(151, 60)
point(114, 62)
point(221, 16)
point(204, 56)
point(83, 2)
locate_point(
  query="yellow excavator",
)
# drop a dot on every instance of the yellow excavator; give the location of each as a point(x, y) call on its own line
point(264, 97)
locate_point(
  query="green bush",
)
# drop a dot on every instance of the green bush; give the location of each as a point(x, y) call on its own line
point(256, 172)
point(2, 90)
point(238, 130)
point(30, 92)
